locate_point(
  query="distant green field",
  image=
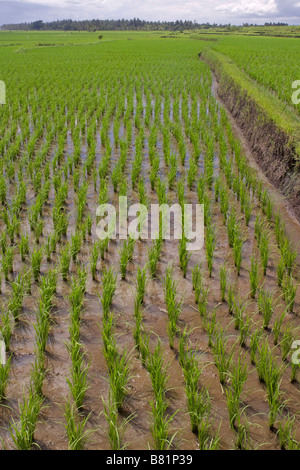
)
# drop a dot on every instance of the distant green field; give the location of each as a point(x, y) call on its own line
point(272, 62)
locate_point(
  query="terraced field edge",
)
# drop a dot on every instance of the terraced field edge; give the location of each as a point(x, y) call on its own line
point(273, 133)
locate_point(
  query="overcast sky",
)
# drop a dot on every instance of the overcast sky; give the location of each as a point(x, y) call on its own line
point(220, 11)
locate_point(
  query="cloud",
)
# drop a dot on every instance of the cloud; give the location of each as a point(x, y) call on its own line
point(244, 8)
point(219, 11)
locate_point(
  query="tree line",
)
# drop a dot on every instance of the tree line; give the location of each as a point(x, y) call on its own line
point(111, 25)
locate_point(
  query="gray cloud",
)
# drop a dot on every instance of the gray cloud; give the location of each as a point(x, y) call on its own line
point(220, 11)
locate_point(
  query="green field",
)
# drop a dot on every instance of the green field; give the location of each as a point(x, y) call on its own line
point(139, 343)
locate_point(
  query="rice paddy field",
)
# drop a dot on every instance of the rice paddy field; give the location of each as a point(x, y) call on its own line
point(138, 344)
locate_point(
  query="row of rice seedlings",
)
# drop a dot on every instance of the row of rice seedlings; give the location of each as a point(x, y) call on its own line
point(160, 429)
point(78, 381)
point(174, 307)
point(48, 286)
point(22, 431)
point(238, 377)
point(199, 403)
point(75, 421)
point(270, 374)
point(117, 363)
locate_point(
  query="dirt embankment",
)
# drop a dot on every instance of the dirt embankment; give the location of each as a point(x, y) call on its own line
point(271, 147)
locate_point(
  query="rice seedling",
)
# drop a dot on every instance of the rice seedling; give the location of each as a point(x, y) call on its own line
point(154, 255)
point(239, 308)
point(277, 327)
point(287, 434)
point(211, 328)
point(24, 246)
point(65, 259)
point(233, 405)
point(280, 270)
point(108, 289)
point(76, 242)
point(22, 431)
point(245, 328)
point(6, 328)
point(36, 260)
point(254, 279)
point(7, 262)
point(144, 348)
point(184, 256)
point(295, 370)
point(124, 259)
point(243, 441)
point(206, 439)
point(254, 344)
point(231, 299)
point(258, 228)
point(264, 248)
point(237, 251)
point(289, 292)
point(173, 307)
point(266, 307)
point(115, 427)
point(160, 429)
point(210, 243)
point(75, 426)
point(141, 281)
point(37, 375)
point(158, 371)
point(279, 230)
point(138, 316)
point(248, 211)
point(286, 342)
point(191, 174)
point(289, 255)
point(197, 276)
point(202, 300)
point(173, 171)
point(4, 376)
point(16, 301)
point(119, 371)
point(223, 358)
point(78, 382)
point(223, 281)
